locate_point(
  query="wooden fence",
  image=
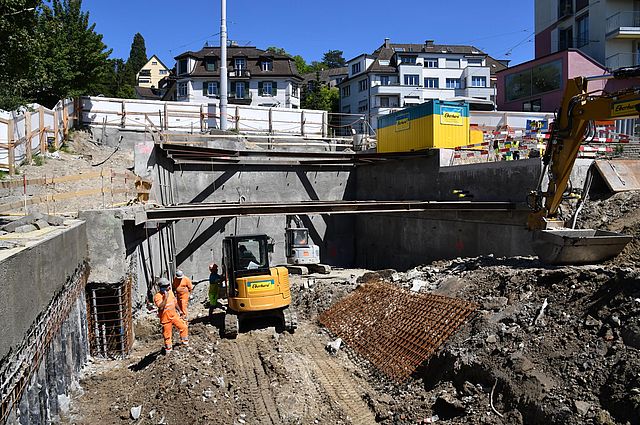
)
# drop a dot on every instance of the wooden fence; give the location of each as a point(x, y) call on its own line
point(26, 133)
point(110, 183)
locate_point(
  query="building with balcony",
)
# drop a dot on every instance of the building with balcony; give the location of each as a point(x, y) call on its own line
point(606, 30)
point(399, 75)
point(255, 77)
point(151, 73)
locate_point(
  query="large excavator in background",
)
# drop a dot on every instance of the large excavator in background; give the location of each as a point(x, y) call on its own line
point(302, 254)
point(554, 243)
point(255, 290)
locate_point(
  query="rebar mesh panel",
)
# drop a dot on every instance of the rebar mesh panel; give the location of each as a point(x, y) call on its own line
point(395, 329)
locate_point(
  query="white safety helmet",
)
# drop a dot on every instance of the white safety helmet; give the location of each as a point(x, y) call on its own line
point(163, 282)
point(179, 273)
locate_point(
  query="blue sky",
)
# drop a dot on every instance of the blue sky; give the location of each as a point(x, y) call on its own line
point(502, 28)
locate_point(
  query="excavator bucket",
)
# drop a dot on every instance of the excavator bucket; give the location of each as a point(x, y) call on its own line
point(583, 246)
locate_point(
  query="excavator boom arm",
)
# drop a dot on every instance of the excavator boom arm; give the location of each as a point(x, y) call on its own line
point(578, 109)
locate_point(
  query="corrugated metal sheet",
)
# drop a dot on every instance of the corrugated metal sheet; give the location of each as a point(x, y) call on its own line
point(620, 174)
point(433, 124)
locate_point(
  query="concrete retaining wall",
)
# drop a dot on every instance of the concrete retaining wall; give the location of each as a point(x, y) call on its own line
point(45, 335)
point(406, 240)
point(199, 242)
point(31, 277)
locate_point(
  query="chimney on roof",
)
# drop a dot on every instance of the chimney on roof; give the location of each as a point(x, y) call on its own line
point(386, 42)
point(428, 43)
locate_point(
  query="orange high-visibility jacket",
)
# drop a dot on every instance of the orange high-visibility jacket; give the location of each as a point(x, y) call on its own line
point(169, 311)
point(182, 286)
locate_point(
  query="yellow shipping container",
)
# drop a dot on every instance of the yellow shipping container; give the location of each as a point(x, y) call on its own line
point(433, 124)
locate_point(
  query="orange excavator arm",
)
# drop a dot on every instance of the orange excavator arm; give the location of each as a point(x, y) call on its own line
point(578, 109)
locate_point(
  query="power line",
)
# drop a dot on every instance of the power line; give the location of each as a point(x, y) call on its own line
point(528, 38)
point(192, 42)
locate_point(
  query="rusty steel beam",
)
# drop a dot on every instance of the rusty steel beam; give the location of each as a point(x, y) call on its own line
point(207, 210)
point(394, 329)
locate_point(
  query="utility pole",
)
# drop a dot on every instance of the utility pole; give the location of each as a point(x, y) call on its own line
point(223, 66)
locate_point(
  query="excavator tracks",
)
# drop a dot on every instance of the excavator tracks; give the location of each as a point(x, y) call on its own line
point(249, 365)
point(339, 386)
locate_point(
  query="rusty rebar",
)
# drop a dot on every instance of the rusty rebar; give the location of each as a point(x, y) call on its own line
point(394, 329)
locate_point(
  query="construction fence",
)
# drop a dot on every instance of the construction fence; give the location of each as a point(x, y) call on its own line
point(515, 135)
point(32, 130)
point(201, 117)
point(52, 194)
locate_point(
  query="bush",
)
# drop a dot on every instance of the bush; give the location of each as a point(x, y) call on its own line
point(38, 160)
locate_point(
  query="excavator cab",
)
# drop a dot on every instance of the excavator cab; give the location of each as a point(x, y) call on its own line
point(300, 250)
point(255, 290)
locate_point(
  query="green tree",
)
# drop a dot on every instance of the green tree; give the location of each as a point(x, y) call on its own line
point(75, 60)
point(19, 40)
point(301, 64)
point(321, 97)
point(317, 66)
point(334, 59)
point(118, 85)
point(137, 57)
point(277, 50)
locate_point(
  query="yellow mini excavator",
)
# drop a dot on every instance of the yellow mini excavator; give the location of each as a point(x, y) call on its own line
point(255, 290)
point(554, 243)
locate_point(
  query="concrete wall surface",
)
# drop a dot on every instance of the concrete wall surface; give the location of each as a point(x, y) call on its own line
point(106, 245)
point(199, 242)
point(45, 340)
point(423, 179)
point(32, 276)
point(407, 240)
point(48, 393)
point(402, 241)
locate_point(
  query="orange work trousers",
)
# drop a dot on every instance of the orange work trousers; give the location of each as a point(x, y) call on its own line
point(183, 303)
point(167, 330)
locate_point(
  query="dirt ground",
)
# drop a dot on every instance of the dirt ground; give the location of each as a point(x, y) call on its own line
point(79, 156)
point(548, 345)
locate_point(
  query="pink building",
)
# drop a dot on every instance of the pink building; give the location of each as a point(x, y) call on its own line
point(538, 85)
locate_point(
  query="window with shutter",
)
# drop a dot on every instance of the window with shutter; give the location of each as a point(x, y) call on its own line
point(260, 88)
point(274, 88)
point(267, 88)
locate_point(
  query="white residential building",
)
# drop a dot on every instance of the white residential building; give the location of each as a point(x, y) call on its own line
point(256, 77)
point(399, 75)
point(606, 30)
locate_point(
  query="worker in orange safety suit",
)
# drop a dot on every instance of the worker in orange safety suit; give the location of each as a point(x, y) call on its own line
point(168, 314)
point(182, 286)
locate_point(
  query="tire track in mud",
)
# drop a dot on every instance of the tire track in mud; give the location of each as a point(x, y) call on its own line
point(339, 386)
point(248, 361)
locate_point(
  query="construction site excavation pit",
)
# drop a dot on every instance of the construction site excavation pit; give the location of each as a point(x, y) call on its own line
point(429, 316)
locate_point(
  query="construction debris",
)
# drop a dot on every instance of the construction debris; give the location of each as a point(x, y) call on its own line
point(32, 222)
point(394, 329)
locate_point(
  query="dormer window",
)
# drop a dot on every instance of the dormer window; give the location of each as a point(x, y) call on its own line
point(355, 68)
point(210, 64)
point(267, 65)
point(182, 66)
point(240, 64)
